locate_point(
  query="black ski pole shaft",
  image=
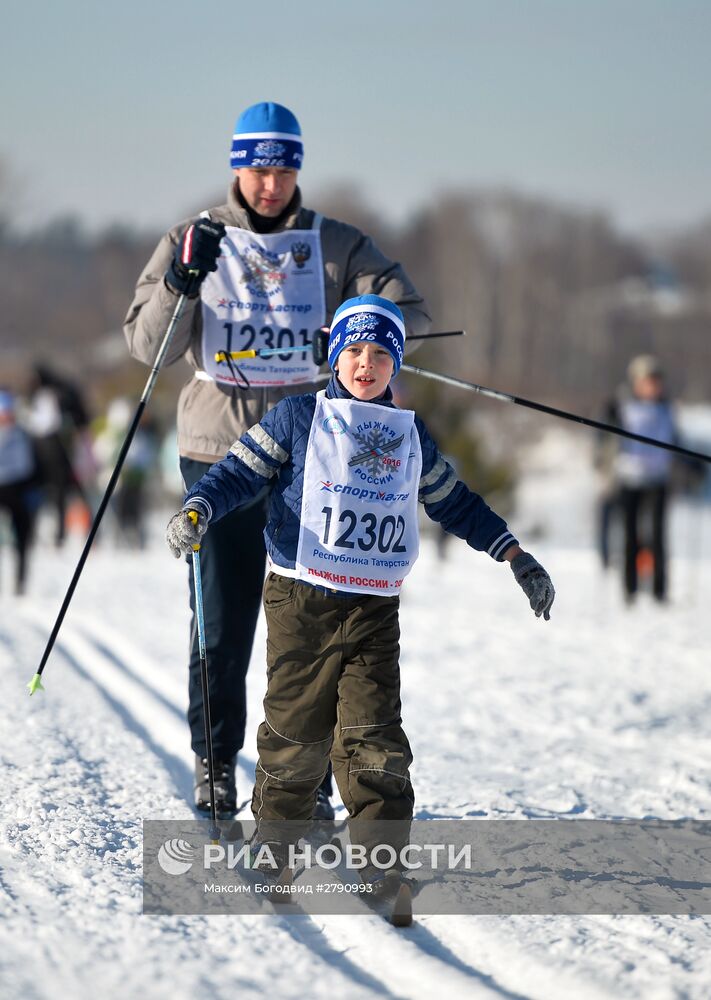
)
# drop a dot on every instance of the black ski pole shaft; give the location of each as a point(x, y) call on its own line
point(36, 683)
point(554, 412)
point(431, 336)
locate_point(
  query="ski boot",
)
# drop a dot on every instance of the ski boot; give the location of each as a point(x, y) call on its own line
point(390, 895)
point(225, 786)
point(269, 866)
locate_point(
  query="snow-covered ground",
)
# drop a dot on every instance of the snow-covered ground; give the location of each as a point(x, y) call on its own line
point(603, 712)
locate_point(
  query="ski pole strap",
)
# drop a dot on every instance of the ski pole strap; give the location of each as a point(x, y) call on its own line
point(506, 397)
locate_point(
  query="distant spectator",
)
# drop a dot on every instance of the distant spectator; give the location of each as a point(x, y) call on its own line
point(642, 472)
point(140, 468)
point(58, 421)
point(17, 481)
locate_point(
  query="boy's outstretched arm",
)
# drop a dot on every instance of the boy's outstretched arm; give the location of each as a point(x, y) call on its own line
point(533, 580)
point(464, 513)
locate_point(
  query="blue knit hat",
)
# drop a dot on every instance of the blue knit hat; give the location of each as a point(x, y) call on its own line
point(370, 318)
point(267, 135)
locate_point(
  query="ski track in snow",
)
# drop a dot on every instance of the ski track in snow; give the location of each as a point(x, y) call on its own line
point(601, 713)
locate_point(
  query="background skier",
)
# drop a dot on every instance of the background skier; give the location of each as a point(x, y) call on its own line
point(58, 421)
point(642, 473)
point(18, 483)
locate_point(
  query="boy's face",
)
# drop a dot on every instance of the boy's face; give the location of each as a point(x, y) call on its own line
point(365, 369)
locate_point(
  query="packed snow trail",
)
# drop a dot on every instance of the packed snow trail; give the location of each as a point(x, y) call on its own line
point(71, 866)
point(603, 712)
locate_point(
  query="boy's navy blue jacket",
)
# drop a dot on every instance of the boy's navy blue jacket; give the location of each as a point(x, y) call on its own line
point(275, 448)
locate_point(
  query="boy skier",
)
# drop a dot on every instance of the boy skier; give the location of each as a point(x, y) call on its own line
point(347, 468)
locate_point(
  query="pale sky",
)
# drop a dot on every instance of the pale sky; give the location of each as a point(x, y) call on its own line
point(124, 112)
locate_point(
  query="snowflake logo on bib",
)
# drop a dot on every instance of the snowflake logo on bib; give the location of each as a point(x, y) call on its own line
point(269, 149)
point(264, 276)
point(362, 323)
point(376, 454)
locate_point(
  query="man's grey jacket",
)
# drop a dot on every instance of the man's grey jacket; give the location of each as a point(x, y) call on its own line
point(211, 417)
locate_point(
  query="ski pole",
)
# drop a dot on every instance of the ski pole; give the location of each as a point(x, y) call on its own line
point(563, 414)
point(36, 682)
point(197, 580)
point(268, 352)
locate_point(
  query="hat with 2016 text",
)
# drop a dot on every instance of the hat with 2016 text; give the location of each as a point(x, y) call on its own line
point(369, 318)
point(267, 135)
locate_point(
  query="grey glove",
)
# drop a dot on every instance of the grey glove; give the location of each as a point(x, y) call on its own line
point(535, 583)
point(185, 529)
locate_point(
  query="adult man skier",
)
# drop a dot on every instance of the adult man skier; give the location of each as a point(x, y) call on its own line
point(270, 273)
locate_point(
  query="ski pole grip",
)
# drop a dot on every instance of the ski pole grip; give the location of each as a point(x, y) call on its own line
point(223, 356)
point(193, 515)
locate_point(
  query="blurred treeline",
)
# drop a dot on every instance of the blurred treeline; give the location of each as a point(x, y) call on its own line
point(555, 300)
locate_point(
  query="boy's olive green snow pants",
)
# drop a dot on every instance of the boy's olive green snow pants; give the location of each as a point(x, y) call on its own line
point(333, 689)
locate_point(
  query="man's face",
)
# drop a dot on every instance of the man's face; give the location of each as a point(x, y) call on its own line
point(365, 369)
point(649, 387)
point(267, 190)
